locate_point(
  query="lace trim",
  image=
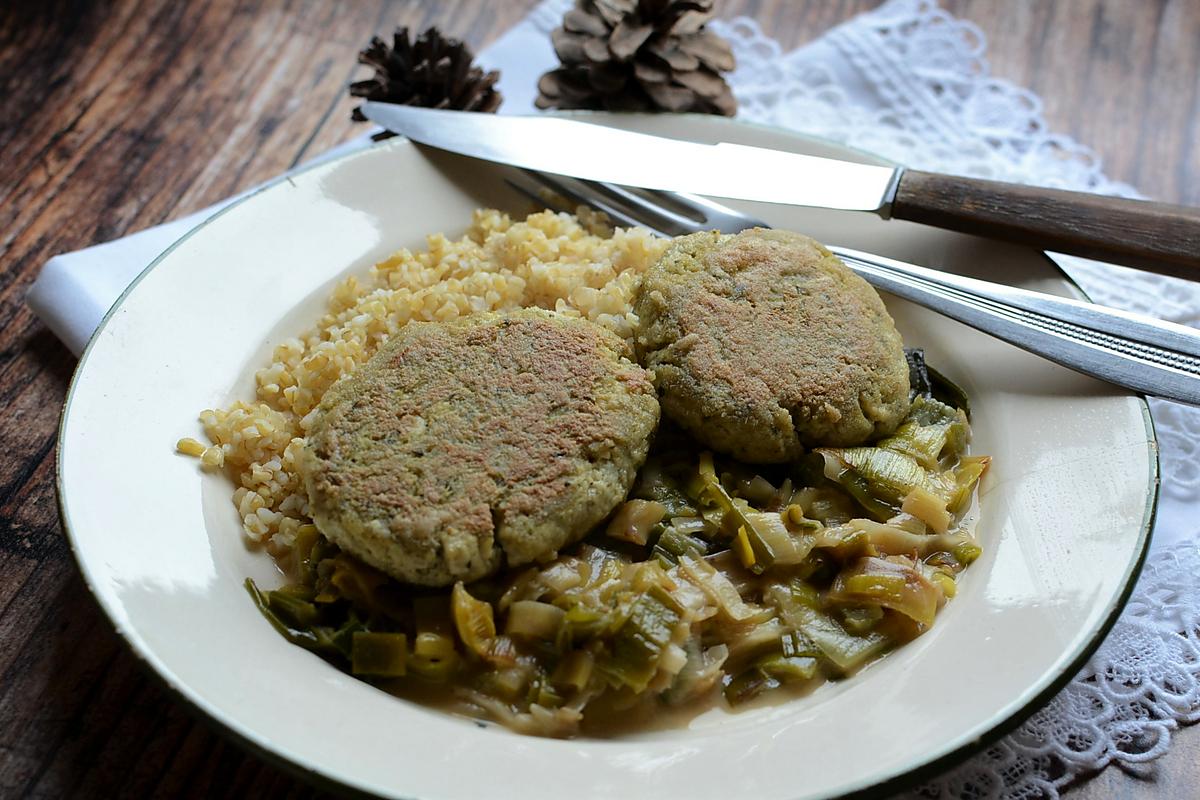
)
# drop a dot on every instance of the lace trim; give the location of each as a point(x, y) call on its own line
point(1142, 684)
point(922, 96)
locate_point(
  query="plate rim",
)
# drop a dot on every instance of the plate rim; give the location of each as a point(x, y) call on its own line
point(1001, 722)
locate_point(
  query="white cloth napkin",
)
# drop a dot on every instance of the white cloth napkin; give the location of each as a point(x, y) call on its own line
point(910, 82)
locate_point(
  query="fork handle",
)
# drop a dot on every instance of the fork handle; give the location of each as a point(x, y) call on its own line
point(1157, 237)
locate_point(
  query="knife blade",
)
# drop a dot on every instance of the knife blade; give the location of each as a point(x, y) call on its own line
point(553, 144)
point(1157, 237)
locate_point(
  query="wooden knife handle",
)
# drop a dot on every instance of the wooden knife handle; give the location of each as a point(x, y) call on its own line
point(1157, 237)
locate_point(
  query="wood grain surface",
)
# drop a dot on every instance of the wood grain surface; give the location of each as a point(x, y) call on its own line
point(1158, 237)
point(119, 114)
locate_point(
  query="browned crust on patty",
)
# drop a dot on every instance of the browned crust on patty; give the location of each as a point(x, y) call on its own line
point(764, 342)
point(464, 445)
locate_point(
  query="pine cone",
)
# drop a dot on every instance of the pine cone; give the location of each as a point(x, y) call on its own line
point(433, 72)
point(639, 55)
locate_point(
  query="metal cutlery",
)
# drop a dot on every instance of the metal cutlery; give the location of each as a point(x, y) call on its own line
point(1153, 236)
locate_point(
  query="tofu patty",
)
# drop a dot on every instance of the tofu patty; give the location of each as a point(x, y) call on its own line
point(763, 343)
point(492, 440)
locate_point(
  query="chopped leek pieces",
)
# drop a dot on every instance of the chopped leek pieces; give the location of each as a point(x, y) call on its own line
point(714, 579)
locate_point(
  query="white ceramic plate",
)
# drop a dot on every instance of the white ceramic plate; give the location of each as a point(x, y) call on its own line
point(1066, 510)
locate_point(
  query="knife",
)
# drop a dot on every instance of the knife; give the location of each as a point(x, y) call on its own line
point(1157, 237)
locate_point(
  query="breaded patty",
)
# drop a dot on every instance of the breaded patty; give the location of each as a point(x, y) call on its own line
point(463, 446)
point(763, 343)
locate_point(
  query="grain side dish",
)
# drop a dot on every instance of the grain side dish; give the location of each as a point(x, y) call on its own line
point(506, 527)
point(554, 261)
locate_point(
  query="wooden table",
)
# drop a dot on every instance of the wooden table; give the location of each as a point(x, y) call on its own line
point(119, 115)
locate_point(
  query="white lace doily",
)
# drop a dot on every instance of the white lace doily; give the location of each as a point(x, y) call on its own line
point(910, 82)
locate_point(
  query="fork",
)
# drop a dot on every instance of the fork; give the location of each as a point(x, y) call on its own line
point(1129, 350)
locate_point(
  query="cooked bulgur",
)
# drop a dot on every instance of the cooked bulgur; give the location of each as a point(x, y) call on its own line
point(555, 261)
